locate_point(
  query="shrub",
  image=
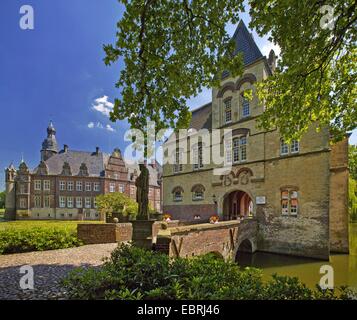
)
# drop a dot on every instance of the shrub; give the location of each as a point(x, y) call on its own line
point(14, 240)
point(134, 273)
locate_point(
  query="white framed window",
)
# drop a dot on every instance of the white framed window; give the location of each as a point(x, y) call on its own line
point(79, 186)
point(79, 202)
point(132, 190)
point(88, 202)
point(37, 185)
point(46, 202)
point(23, 203)
point(88, 186)
point(62, 202)
point(245, 107)
point(37, 202)
point(112, 187)
point(289, 202)
point(116, 177)
point(95, 202)
point(197, 156)
point(284, 147)
point(121, 188)
point(46, 185)
point(62, 185)
point(294, 148)
point(178, 161)
point(70, 202)
point(70, 185)
point(96, 186)
point(228, 111)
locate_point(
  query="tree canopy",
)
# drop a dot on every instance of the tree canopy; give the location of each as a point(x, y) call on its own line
point(316, 78)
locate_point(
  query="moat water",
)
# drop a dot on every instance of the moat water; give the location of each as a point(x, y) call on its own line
point(308, 270)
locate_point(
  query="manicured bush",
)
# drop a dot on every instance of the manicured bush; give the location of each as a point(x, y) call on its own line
point(133, 273)
point(13, 240)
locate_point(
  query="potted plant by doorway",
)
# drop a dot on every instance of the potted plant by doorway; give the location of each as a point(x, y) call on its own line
point(214, 219)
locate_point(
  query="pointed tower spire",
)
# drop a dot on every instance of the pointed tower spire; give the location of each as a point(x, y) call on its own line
point(49, 145)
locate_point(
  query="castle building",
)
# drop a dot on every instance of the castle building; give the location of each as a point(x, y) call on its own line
point(66, 183)
point(296, 191)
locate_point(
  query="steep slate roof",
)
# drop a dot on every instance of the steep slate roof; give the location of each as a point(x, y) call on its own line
point(95, 163)
point(202, 117)
point(245, 44)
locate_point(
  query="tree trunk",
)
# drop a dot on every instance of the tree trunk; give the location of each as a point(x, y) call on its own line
point(142, 192)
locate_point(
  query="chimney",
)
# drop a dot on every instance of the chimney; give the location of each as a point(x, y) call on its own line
point(272, 60)
point(65, 148)
point(96, 150)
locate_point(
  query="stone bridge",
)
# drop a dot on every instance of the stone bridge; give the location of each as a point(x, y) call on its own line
point(224, 239)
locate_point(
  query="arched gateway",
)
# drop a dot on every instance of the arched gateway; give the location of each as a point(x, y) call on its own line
point(237, 204)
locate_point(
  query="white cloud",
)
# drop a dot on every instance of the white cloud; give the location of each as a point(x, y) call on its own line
point(269, 46)
point(99, 125)
point(103, 106)
point(109, 128)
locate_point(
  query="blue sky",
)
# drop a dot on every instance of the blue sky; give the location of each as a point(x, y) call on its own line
point(56, 71)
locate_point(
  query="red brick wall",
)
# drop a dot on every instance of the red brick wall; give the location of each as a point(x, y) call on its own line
point(104, 233)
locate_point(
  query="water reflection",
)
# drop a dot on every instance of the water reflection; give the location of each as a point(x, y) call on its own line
point(307, 270)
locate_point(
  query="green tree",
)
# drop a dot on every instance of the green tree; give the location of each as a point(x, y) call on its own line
point(352, 199)
point(316, 78)
point(352, 161)
point(2, 200)
point(116, 202)
point(171, 50)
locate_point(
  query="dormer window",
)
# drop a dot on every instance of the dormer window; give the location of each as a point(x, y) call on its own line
point(228, 110)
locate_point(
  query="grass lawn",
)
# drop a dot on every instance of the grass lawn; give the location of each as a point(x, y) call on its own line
point(47, 224)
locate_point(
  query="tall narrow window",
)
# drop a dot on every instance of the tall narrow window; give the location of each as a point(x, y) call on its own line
point(96, 186)
point(228, 150)
point(70, 185)
point(228, 111)
point(245, 107)
point(88, 186)
point(79, 186)
point(46, 185)
point(46, 202)
point(235, 149)
point(62, 185)
point(239, 149)
point(88, 202)
point(112, 187)
point(37, 185)
point(197, 156)
point(37, 202)
point(62, 202)
point(243, 148)
point(79, 202)
point(284, 147)
point(289, 202)
point(70, 202)
point(121, 188)
point(178, 161)
point(23, 203)
point(294, 146)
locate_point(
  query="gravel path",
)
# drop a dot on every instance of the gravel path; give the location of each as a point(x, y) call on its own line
point(49, 268)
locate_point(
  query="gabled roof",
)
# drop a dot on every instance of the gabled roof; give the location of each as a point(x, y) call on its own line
point(95, 163)
point(202, 117)
point(246, 45)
